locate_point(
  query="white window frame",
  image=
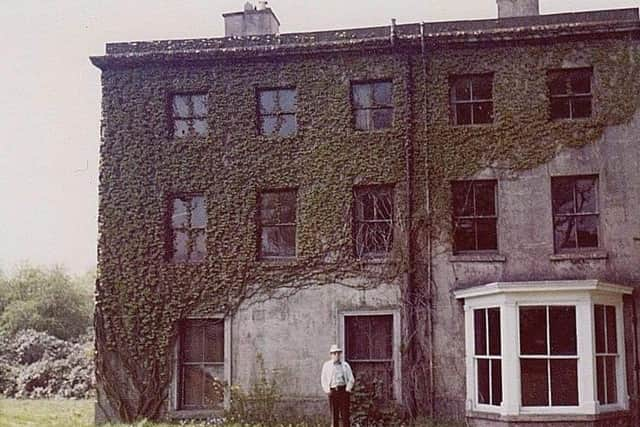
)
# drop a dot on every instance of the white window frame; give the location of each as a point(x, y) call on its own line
point(174, 398)
point(509, 296)
point(395, 349)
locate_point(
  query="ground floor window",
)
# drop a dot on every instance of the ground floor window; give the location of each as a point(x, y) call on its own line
point(371, 346)
point(545, 347)
point(201, 359)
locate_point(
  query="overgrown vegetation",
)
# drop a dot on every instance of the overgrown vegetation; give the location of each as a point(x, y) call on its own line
point(46, 341)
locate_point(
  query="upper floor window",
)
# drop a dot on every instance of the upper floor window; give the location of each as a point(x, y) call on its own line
point(277, 112)
point(475, 215)
point(201, 364)
point(372, 105)
point(373, 225)
point(277, 223)
point(472, 99)
point(188, 228)
point(570, 93)
point(189, 113)
point(575, 212)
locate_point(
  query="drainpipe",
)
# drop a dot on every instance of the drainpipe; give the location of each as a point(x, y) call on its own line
point(425, 100)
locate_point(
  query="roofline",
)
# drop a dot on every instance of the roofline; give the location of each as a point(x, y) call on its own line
point(407, 36)
point(542, 286)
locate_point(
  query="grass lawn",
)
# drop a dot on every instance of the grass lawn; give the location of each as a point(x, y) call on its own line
point(74, 413)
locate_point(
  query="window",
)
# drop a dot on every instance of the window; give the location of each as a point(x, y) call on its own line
point(548, 356)
point(487, 350)
point(474, 216)
point(277, 223)
point(187, 241)
point(373, 227)
point(472, 99)
point(189, 114)
point(545, 347)
point(369, 350)
point(575, 212)
point(201, 369)
point(606, 353)
point(372, 105)
point(277, 112)
point(570, 93)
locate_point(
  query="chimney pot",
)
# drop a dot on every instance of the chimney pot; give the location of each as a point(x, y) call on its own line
point(511, 8)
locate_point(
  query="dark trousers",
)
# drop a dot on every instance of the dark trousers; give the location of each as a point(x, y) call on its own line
point(339, 404)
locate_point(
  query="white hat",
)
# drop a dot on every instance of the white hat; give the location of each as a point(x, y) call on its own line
point(335, 349)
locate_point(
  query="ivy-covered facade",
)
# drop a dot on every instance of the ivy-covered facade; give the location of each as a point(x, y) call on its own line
point(455, 204)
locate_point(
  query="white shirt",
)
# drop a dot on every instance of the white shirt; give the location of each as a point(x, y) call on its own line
point(328, 375)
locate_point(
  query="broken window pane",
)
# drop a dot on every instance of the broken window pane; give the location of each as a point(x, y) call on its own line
point(372, 105)
point(199, 105)
point(268, 101)
point(180, 128)
point(362, 95)
point(200, 127)
point(180, 245)
point(373, 220)
point(287, 100)
point(181, 107)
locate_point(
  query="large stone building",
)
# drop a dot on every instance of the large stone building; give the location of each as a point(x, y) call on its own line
point(456, 204)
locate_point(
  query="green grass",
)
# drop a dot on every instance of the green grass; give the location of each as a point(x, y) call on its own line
point(77, 413)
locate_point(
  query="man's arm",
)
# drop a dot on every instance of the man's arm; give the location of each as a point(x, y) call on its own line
point(325, 378)
point(349, 377)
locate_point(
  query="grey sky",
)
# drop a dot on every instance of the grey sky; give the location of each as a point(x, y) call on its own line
point(49, 117)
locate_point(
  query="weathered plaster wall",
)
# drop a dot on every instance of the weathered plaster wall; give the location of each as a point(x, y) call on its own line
point(525, 239)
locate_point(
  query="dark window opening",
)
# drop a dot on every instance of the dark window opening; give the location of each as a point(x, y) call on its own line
point(372, 105)
point(277, 224)
point(277, 112)
point(189, 113)
point(201, 364)
point(475, 216)
point(570, 93)
point(575, 212)
point(472, 99)
point(373, 225)
point(369, 350)
point(188, 225)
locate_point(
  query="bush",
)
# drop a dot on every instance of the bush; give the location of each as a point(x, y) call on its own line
point(370, 407)
point(46, 300)
point(36, 365)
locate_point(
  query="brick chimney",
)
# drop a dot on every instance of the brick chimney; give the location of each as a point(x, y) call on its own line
point(511, 8)
point(252, 21)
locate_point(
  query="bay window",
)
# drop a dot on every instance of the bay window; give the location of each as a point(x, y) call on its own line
point(545, 347)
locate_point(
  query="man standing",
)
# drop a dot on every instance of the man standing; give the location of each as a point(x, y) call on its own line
point(337, 382)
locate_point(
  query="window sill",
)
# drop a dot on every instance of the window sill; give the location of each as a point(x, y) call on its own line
point(578, 256)
point(477, 257)
point(546, 418)
point(278, 261)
